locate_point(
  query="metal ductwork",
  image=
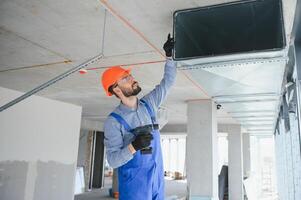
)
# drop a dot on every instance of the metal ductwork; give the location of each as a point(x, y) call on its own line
point(244, 30)
point(223, 45)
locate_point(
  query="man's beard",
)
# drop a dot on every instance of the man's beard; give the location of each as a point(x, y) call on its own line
point(133, 92)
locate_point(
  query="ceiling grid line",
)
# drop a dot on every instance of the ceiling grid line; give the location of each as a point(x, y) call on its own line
point(34, 66)
point(35, 43)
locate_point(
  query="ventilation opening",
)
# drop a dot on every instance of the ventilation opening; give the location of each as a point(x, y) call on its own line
point(239, 27)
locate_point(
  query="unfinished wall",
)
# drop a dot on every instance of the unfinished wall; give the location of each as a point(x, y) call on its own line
point(82, 148)
point(38, 148)
point(84, 154)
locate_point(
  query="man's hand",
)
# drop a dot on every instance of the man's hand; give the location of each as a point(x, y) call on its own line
point(168, 46)
point(142, 141)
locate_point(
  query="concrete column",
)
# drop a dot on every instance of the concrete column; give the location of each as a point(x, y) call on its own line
point(201, 150)
point(246, 155)
point(235, 163)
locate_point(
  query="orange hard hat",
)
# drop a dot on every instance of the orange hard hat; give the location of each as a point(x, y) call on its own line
point(111, 76)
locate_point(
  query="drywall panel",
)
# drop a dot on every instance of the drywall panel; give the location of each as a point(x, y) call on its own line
point(38, 148)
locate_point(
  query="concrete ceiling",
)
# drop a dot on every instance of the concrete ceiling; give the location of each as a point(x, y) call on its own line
point(40, 39)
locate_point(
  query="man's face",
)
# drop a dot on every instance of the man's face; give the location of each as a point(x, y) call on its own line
point(128, 86)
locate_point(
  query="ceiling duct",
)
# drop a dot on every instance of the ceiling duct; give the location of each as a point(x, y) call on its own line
point(244, 31)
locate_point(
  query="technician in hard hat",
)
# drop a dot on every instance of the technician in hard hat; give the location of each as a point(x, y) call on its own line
point(140, 175)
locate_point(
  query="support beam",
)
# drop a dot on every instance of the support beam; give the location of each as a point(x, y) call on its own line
point(235, 163)
point(201, 150)
point(235, 159)
point(246, 155)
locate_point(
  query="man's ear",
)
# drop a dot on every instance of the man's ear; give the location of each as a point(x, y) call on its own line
point(117, 92)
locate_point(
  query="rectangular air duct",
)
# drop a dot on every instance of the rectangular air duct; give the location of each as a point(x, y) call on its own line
point(238, 30)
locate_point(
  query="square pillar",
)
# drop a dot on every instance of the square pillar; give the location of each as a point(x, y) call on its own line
point(235, 152)
point(246, 155)
point(201, 150)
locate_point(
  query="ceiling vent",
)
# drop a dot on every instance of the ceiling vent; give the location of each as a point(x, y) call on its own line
point(244, 30)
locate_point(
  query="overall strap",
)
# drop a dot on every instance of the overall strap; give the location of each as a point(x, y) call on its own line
point(150, 111)
point(121, 121)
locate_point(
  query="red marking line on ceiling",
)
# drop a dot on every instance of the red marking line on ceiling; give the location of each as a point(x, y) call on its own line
point(128, 24)
point(131, 64)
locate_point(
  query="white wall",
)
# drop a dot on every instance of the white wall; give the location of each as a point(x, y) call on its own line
point(38, 148)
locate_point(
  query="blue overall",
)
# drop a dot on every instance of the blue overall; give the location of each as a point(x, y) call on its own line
point(142, 178)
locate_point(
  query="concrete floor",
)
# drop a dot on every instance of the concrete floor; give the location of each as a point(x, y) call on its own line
point(174, 190)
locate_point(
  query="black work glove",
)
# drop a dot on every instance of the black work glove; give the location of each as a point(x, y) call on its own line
point(142, 141)
point(168, 46)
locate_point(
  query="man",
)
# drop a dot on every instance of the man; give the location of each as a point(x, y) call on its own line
point(138, 157)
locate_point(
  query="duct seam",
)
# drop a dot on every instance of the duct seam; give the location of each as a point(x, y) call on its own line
point(241, 63)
